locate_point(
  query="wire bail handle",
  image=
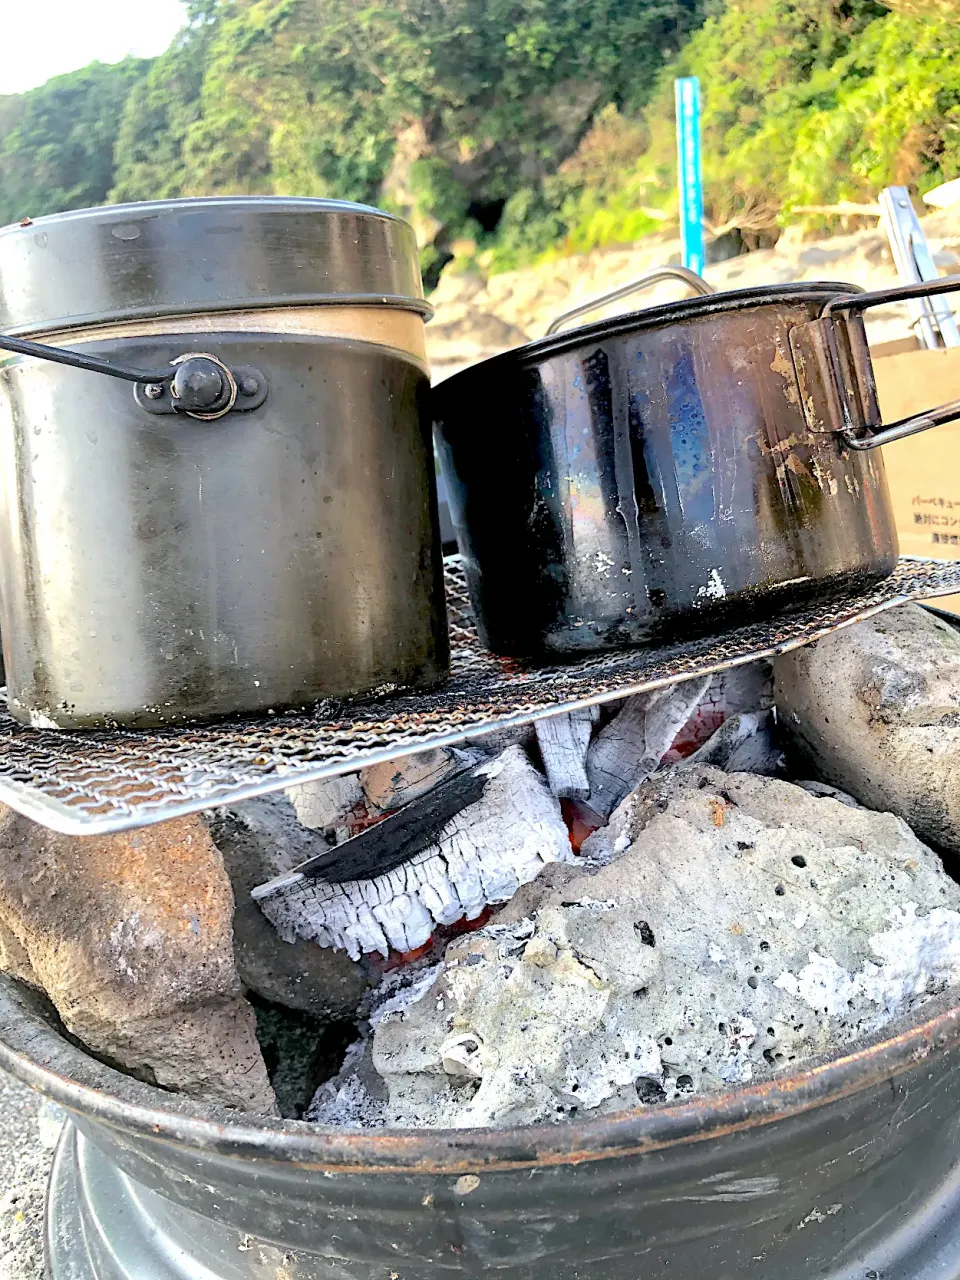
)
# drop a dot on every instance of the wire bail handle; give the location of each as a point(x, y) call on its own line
point(197, 384)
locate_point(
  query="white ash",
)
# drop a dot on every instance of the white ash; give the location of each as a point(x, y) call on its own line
point(632, 745)
point(747, 926)
point(355, 1097)
point(482, 856)
point(563, 741)
point(323, 805)
point(350, 1099)
point(345, 1103)
point(401, 994)
point(917, 955)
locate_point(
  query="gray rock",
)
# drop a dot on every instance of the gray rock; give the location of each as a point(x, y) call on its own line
point(875, 710)
point(260, 839)
point(14, 958)
point(745, 926)
point(824, 789)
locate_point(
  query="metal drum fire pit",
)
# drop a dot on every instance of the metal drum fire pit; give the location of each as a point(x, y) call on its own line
point(843, 1168)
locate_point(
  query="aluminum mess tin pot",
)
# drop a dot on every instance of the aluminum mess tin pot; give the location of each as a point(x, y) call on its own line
point(672, 470)
point(244, 516)
point(844, 1169)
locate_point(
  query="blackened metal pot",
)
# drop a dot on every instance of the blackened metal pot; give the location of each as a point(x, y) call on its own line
point(844, 1170)
point(227, 504)
point(672, 470)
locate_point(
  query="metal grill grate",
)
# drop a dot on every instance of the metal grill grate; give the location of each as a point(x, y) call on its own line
point(94, 782)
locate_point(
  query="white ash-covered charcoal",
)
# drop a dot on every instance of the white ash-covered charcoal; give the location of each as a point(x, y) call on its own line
point(339, 807)
point(875, 710)
point(746, 743)
point(746, 689)
point(495, 741)
point(481, 855)
point(327, 804)
point(395, 783)
point(631, 746)
point(563, 741)
point(746, 926)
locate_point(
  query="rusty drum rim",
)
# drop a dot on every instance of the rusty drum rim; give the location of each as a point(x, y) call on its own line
point(28, 1043)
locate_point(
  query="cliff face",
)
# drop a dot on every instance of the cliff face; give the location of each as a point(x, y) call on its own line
point(476, 318)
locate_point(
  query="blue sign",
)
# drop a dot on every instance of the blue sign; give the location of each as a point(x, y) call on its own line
point(689, 176)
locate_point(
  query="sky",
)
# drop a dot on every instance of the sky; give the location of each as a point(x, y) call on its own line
point(44, 38)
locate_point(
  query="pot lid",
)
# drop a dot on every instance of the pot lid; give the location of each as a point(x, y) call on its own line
point(175, 257)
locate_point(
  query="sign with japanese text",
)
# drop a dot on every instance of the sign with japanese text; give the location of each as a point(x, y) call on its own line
point(923, 471)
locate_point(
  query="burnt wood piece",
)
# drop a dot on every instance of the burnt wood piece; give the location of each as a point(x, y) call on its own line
point(395, 840)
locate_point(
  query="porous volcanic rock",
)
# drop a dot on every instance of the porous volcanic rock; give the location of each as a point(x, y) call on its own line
point(728, 926)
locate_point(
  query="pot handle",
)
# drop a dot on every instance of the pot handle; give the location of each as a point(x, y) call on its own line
point(197, 384)
point(696, 283)
point(830, 404)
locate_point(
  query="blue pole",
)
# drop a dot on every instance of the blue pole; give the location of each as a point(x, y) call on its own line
point(689, 175)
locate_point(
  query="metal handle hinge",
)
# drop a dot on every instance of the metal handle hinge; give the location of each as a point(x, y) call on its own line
point(834, 372)
point(197, 384)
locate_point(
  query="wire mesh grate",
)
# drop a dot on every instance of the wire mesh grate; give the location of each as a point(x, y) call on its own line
point(101, 781)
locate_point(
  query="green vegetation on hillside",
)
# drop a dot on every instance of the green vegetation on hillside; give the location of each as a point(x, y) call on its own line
point(161, 109)
point(805, 103)
point(506, 129)
point(814, 102)
point(434, 108)
point(57, 142)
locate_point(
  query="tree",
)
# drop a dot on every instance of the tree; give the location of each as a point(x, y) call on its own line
point(148, 157)
point(56, 151)
point(439, 109)
point(765, 67)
